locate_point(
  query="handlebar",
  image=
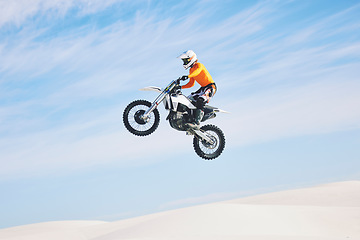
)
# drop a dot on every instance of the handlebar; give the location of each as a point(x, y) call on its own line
point(182, 78)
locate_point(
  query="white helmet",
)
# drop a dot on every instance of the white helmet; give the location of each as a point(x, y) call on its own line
point(189, 58)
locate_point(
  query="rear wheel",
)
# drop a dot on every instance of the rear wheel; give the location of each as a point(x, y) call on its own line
point(134, 122)
point(212, 150)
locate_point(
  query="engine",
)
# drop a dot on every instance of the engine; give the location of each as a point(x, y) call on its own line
point(178, 120)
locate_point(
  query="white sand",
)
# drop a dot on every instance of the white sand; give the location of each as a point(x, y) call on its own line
point(327, 212)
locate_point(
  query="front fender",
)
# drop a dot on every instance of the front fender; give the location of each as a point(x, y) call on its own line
point(151, 88)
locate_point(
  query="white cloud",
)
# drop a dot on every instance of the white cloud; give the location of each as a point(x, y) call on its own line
point(318, 108)
point(292, 90)
point(86, 143)
point(18, 11)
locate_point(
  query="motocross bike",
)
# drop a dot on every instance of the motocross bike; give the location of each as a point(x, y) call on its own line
point(142, 117)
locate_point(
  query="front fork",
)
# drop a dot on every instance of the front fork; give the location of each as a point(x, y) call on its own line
point(158, 100)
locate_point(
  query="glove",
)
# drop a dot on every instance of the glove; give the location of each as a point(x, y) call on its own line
point(184, 77)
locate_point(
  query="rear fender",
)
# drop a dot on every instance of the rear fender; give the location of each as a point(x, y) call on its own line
point(215, 109)
point(220, 110)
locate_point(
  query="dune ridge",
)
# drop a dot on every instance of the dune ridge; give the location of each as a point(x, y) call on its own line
point(324, 212)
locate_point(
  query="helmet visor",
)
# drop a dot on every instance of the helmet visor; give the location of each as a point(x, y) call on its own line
point(186, 60)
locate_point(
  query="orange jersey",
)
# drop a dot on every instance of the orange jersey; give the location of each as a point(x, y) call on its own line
point(199, 74)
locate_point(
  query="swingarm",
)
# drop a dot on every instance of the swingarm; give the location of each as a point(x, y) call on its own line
point(202, 135)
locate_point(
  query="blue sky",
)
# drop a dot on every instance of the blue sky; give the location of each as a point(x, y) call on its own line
point(288, 71)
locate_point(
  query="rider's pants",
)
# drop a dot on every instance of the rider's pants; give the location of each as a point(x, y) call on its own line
point(203, 95)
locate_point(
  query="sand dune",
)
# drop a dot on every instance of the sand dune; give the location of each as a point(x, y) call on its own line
point(327, 212)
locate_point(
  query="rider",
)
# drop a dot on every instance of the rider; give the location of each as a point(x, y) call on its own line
point(199, 74)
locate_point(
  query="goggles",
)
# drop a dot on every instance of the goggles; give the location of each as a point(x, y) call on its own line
point(186, 60)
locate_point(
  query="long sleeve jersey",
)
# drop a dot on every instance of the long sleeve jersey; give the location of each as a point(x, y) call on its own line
point(199, 74)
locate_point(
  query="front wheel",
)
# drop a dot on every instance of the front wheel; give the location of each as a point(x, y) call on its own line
point(134, 122)
point(208, 150)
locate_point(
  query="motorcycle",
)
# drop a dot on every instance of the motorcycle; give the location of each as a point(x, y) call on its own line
point(142, 118)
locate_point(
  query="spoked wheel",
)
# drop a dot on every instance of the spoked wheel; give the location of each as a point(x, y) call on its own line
point(134, 122)
point(211, 150)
